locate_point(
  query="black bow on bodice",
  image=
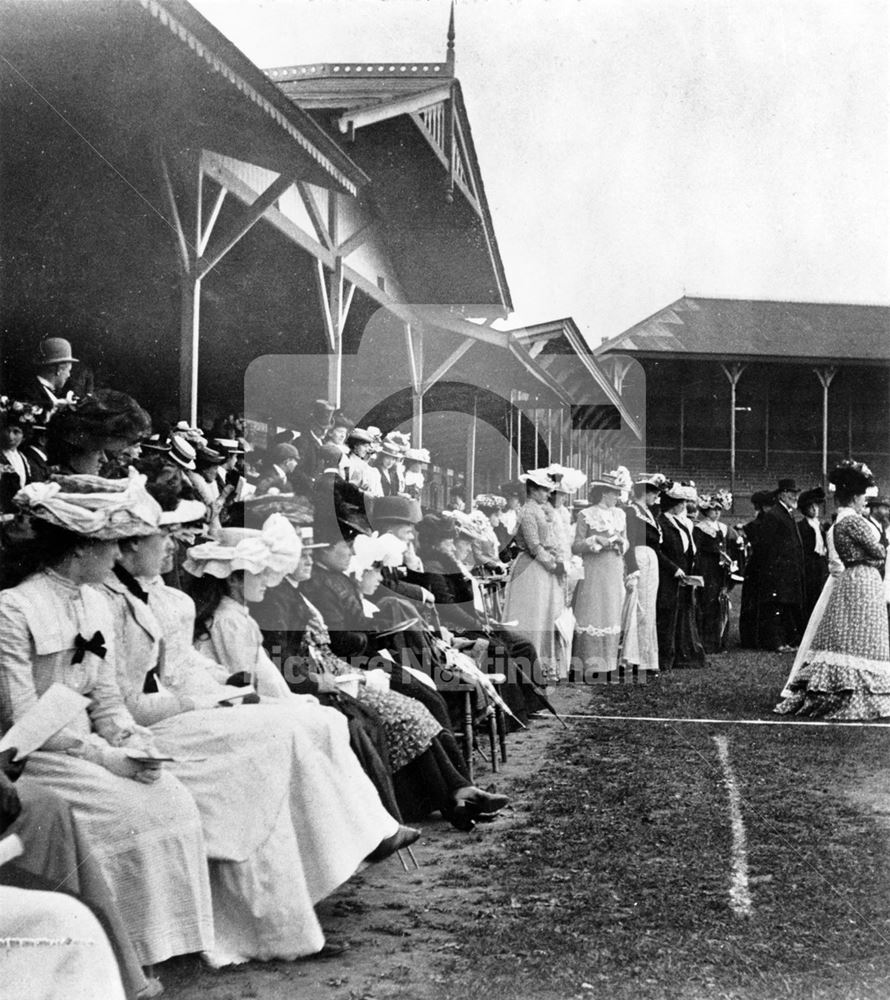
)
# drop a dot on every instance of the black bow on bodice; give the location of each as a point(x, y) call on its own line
point(82, 646)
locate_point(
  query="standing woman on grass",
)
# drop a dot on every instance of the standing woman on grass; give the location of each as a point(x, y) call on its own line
point(534, 594)
point(846, 671)
point(601, 541)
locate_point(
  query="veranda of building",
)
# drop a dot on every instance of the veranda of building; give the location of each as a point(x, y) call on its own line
point(213, 237)
point(740, 392)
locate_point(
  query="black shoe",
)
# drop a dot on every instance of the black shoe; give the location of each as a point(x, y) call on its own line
point(330, 949)
point(478, 801)
point(405, 836)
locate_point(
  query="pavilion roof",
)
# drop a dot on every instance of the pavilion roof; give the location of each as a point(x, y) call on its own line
point(695, 327)
point(394, 115)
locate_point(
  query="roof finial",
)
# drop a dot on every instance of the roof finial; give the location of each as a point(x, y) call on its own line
point(449, 55)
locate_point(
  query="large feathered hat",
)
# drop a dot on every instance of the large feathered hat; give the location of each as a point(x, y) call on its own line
point(851, 477)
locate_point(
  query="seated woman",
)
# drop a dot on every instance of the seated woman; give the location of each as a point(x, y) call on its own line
point(52, 859)
point(288, 814)
point(87, 437)
point(446, 545)
point(428, 768)
point(140, 825)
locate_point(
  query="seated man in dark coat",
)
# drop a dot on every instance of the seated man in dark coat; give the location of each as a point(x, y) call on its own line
point(781, 574)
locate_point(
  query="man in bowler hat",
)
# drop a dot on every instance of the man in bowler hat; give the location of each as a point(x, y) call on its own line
point(782, 580)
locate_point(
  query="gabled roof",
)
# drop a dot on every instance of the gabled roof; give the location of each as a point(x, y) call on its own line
point(119, 71)
point(558, 349)
point(744, 328)
point(407, 107)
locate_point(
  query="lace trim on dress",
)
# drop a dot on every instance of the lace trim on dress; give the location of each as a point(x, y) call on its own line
point(833, 658)
point(593, 630)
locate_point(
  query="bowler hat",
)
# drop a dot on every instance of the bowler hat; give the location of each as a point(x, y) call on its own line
point(395, 509)
point(879, 500)
point(282, 452)
point(787, 486)
point(54, 351)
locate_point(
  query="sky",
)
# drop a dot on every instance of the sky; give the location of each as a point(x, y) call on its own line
point(634, 151)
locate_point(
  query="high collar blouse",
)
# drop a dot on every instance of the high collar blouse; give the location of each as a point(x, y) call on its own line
point(39, 622)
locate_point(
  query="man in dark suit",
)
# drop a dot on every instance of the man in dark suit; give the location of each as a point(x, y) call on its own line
point(782, 579)
point(53, 363)
point(749, 629)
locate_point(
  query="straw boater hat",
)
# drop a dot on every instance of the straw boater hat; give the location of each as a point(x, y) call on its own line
point(607, 480)
point(271, 553)
point(102, 509)
point(182, 453)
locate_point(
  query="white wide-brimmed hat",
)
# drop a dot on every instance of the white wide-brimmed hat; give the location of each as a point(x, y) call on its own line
point(271, 553)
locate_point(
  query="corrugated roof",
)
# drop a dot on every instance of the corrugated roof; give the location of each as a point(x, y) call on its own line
point(763, 329)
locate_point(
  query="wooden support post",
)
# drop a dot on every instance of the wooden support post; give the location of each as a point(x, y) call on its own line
point(825, 376)
point(471, 457)
point(766, 428)
point(414, 343)
point(733, 373)
point(682, 441)
point(535, 425)
point(549, 434)
point(519, 463)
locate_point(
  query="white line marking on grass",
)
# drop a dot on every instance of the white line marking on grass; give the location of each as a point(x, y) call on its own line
point(730, 722)
point(739, 893)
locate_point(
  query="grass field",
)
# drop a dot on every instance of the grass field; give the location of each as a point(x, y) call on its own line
point(616, 884)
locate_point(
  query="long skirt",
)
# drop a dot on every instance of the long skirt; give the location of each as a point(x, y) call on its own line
point(598, 603)
point(679, 643)
point(288, 816)
point(713, 603)
point(646, 637)
point(147, 843)
point(847, 673)
point(53, 859)
point(534, 600)
point(76, 960)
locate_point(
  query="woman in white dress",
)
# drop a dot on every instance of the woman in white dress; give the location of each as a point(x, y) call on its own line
point(601, 541)
point(288, 813)
point(140, 824)
point(534, 594)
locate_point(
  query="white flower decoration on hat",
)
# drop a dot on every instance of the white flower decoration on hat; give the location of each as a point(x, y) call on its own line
point(104, 509)
point(271, 553)
point(369, 550)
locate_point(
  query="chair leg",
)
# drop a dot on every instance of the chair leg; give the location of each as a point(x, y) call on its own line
point(468, 731)
point(502, 733)
point(492, 739)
